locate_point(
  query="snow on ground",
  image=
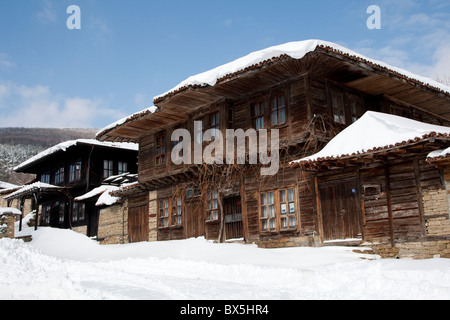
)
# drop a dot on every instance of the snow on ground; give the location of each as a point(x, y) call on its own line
point(61, 264)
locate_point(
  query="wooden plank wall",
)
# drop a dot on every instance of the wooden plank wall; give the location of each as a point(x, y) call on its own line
point(395, 214)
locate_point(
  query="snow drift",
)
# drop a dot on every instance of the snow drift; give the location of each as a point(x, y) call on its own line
point(61, 264)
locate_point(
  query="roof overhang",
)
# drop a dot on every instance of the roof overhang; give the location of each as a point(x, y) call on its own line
point(317, 58)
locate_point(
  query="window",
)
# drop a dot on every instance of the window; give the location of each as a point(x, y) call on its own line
point(75, 171)
point(192, 191)
point(122, 167)
point(278, 208)
point(212, 205)
point(45, 177)
point(267, 202)
point(179, 154)
point(46, 209)
point(59, 175)
point(108, 168)
point(170, 211)
point(278, 110)
point(176, 211)
point(61, 208)
point(258, 115)
point(160, 157)
point(214, 124)
point(337, 103)
point(163, 213)
point(287, 209)
point(78, 211)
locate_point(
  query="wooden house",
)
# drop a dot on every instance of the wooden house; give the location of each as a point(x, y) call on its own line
point(69, 170)
point(307, 92)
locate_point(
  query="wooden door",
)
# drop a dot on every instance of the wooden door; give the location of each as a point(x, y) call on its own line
point(341, 216)
point(138, 220)
point(233, 218)
point(195, 222)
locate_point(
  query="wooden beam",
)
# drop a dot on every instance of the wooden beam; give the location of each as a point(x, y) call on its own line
point(389, 202)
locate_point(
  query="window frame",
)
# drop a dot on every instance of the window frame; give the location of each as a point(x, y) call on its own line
point(257, 111)
point(271, 216)
point(278, 108)
point(108, 168)
point(214, 123)
point(170, 212)
point(160, 149)
point(338, 110)
point(75, 168)
point(60, 175)
point(212, 212)
point(122, 167)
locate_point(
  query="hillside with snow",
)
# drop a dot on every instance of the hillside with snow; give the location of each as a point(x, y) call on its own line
point(61, 264)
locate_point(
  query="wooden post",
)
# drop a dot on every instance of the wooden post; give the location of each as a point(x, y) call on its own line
point(244, 207)
point(419, 196)
point(21, 212)
point(389, 202)
point(37, 210)
point(319, 208)
point(222, 218)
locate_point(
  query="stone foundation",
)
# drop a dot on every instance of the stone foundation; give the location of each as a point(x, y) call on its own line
point(414, 250)
point(287, 242)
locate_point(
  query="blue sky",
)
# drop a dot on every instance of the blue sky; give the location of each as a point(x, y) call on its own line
point(127, 52)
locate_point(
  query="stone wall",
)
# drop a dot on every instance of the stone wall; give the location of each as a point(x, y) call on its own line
point(153, 216)
point(286, 242)
point(113, 224)
point(7, 221)
point(436, 212)
point(414, 250)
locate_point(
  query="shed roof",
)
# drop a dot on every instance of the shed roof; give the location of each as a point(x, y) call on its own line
point(29, 189)
point(64, 146)
point(375, 132)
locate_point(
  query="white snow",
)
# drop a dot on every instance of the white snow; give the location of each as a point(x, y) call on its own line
point(151, 109)
point(10, 210)
point(374, 130)
point(34, 186)
point(105, 198)
point(439, 154)
point(295, 50)
point(68, 144)
point(7, 185)
point(61, 264)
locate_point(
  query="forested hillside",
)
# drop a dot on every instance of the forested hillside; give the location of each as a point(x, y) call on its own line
point(19, 144)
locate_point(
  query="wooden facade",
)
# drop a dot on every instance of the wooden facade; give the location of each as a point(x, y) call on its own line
point(70, 172)
point(309, 100)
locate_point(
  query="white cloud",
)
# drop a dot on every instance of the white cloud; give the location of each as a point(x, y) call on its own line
point(37, 106)
point(5, 62)
point(47, 14)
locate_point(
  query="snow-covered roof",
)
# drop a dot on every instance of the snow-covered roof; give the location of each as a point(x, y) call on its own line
point(375, 131)
point(14, 211)
point(104, 199)
point(439, 155)
point(295, 50)
point(68, 144)
point(30, 188)
point(122, 121)
point(7, 185)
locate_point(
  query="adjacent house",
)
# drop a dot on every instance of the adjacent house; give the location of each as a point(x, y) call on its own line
point(303, 93)
point(68, 170)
